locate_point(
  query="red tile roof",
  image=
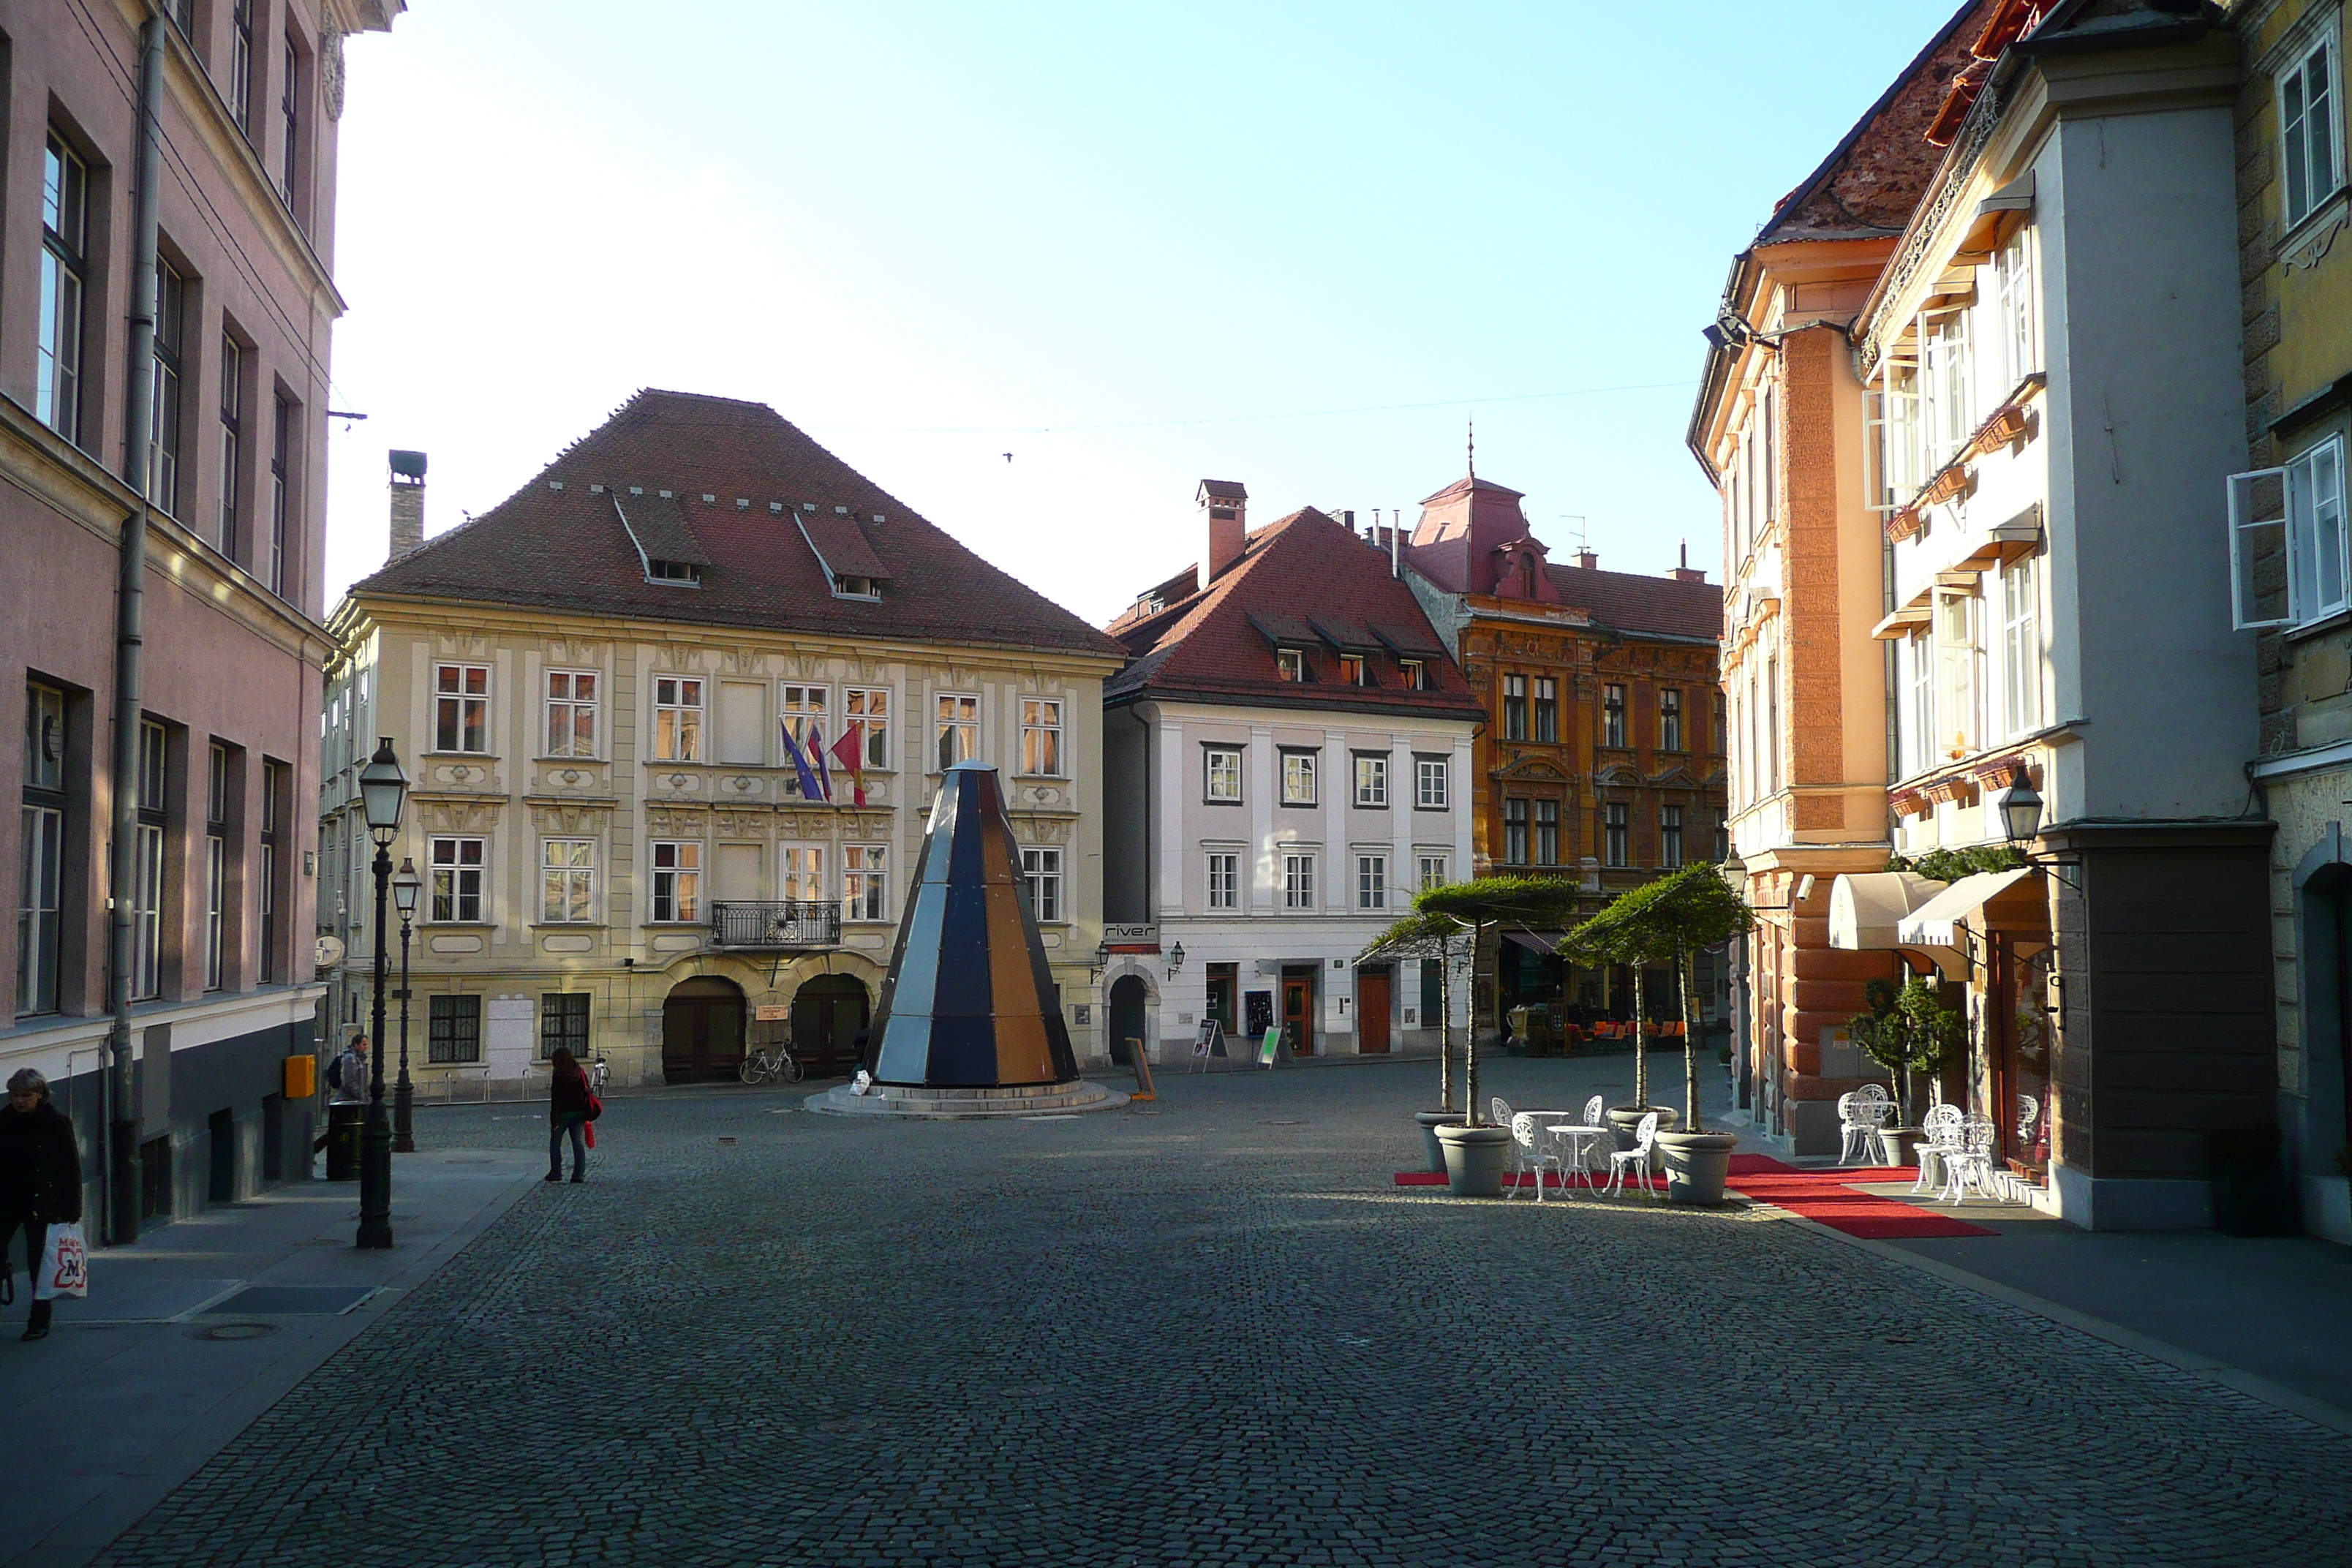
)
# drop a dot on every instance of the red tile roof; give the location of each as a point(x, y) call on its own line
point(737, 477)
point(1628, 602)
point(1306, 582)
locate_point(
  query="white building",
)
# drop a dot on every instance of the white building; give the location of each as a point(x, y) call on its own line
point(1287, 762)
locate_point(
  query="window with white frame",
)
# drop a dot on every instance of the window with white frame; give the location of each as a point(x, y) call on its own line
point(1041, 873)
point(1224, 879)
point(1289, 664)
point(678, 881)
point(1414, 673)
point(1297, 881)
point(1433, 780)
point(801, 867)
point(1547, 832)
point(1371, 882)
point(1371, 781)
point(1670, 835)
point(1922, 649)
point(2288, 555)
point(215, 897)
point(677, 719)
point(1612, 715)
point(1959, 660)
point(163, 388)
point(41, 850)
point(567, 881)
point(455, 868)
point(56, 362)
point(1041, 736)
point(227, 534)
point(1221, 774)
point(461, 708)
point(1514, 831)
point(1947, 409)
point(147, 878)
point(2016, 309)
point(1772, 695)
point(1515, 707)
point(1670, 719)
point(2020, 647)
point(2310, 162)
point(956, 732)
point(1355, 670)
point(1891, 448)
point(571, 701)
point(1547, 709)
point(1299, 778)
point(1616, 819)
point(865, 881)
point(1435, 873)
point(805, 710)
point(866, 713)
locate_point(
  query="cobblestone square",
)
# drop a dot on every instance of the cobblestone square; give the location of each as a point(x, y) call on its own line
point(1207, 1331)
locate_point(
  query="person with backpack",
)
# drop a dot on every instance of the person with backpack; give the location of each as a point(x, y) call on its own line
point(40, 1180)
point(570, 1105)
point(347, 1074)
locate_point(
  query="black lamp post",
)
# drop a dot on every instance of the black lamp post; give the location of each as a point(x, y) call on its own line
point(2019, 805)
point(382, 788)
point(404, 889)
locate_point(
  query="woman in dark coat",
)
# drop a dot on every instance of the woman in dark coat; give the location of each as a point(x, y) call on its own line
point(40, 1178)
point(567, 1111)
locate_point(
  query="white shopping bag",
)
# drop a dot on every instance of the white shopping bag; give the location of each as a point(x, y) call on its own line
point(65, 1264)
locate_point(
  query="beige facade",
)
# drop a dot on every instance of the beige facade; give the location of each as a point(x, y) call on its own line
point(651, 809)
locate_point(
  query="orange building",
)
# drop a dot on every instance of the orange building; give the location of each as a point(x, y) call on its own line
point(1602, 756)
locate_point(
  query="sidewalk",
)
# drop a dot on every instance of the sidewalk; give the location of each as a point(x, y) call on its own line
point(198, 1327)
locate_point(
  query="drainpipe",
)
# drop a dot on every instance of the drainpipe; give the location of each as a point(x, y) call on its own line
point(122, 1133)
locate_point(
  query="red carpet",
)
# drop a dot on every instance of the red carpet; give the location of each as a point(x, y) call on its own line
point(1823, 1197)
point(1550, 1181)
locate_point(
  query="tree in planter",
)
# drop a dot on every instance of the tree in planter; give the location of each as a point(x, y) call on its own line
point(1485, 904)
point(1445, 941)
point(1670, 919)
point(1907, 1030)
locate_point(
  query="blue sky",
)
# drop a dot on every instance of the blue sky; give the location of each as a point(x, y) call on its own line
point(1293, 244)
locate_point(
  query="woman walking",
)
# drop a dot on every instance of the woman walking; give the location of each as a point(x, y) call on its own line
point(567, 1111)
point(40, 1179)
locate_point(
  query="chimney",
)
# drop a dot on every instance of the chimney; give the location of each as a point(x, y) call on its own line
point(1585, 558)
point(407, 503)
point(1225, 505)
point(1682, 573)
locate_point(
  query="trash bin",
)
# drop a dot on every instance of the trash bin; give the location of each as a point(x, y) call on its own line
point(344, 1141)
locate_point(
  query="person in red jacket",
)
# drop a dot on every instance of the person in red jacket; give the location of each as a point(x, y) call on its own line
point(567, 1111)
point(40, 1179)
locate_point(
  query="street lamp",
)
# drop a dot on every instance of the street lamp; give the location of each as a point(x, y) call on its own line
point(2019, 805)
point(404, 889)
point(1176, 958)
point(382, 788)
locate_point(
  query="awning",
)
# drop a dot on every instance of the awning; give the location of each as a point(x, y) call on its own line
point(1934, 923)
point(1866, 909)
point(1546, 943)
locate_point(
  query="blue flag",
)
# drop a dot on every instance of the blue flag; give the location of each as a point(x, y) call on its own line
point(809, 790)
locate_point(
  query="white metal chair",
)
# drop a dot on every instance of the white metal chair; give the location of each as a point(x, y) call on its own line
point(1530, 1151)
point(1637, 1158)
point(1971, 1165)
point(1501, 1110)
point(1939, 1136)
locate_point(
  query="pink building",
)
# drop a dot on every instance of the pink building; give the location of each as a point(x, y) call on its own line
point(227, 474)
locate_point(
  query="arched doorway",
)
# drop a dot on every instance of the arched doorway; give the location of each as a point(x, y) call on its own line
point(702, 1030)
point(1128, 999)
point(829, 1011)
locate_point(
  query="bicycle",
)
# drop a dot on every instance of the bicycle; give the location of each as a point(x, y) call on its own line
point(600, 1073)
point(764, 1066)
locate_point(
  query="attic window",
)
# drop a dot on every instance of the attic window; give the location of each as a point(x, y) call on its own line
point(846, 586)
point(1354, 671)
point(1415, 673)
point(684, 573)
point(1290, 663)
point(1222, 514)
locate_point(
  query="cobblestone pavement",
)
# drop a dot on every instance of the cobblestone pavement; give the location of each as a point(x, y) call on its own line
point(1208, 1332)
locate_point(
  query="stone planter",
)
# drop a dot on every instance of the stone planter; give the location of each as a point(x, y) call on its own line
point(1900, 1144)
point(1475, 1157)
point(1627, 1120)
point(1697, 1164)
point(1431, 1120)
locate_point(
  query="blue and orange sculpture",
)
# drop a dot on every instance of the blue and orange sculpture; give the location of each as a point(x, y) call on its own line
point(969, 1002)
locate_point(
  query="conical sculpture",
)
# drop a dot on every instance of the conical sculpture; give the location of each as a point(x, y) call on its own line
point(969, 1001)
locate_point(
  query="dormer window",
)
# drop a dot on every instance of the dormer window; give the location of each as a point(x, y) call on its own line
point(1415, 674)
point(684, 574)
point(1290, 663)
point(1354, 669)
point(848, 588)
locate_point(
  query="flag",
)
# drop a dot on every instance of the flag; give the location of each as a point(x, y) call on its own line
point(849, 752)
point(816, 755)
point(809, 790)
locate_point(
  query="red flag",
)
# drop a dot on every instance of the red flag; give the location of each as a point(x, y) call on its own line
point(848, 751)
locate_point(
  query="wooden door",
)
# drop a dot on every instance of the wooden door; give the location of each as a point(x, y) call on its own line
point(702, 1032)
point(1373, 1012)
point(1299, 1015)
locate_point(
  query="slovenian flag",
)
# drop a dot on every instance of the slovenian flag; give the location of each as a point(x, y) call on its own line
point(809, 790)
point(848, 752)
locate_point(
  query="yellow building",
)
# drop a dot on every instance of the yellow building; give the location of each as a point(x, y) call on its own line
point(673, 715)
point(2297, 276)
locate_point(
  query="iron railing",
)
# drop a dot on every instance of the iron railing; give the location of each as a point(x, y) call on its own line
point(775, 923)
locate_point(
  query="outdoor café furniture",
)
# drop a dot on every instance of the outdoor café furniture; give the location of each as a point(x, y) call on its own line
point(1577, 1144)
point(1968, 1166)
point(1528, 1138)
point(1637, 1158)
point(1861, 1114)
point(1939, 1136)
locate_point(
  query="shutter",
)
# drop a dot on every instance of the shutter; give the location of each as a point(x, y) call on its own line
point(743, 723)
point(2259, 591)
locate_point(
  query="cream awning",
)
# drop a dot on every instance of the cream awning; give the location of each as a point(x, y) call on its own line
point(1934, 923)
point(1868, 910)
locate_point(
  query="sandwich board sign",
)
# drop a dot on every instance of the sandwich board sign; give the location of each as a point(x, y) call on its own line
point(1270, 1046)
point(1209, 1040)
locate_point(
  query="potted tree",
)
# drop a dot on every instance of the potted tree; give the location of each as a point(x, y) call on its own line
point(1908, 1030)
point(1440, 939)
point(1674, 917)
point(1475, 1150)
point(1601, 941)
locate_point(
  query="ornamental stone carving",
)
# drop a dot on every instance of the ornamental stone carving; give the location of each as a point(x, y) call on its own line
point(569, 821)
point(678, 822)
point(461, 815)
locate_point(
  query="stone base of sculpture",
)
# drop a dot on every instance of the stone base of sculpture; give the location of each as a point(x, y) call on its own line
point(953, 1104)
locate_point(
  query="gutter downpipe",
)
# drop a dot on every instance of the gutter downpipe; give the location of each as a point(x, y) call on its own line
point(129, 638)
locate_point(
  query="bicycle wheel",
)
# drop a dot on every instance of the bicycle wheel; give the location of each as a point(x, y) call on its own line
point(753, 1070)
point(792, 1069)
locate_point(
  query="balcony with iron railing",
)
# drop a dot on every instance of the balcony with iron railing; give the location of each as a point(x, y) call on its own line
point(772, 925)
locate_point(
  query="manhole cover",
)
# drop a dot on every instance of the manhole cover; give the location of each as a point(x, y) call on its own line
point(293, 1301)
point(217, 1332)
